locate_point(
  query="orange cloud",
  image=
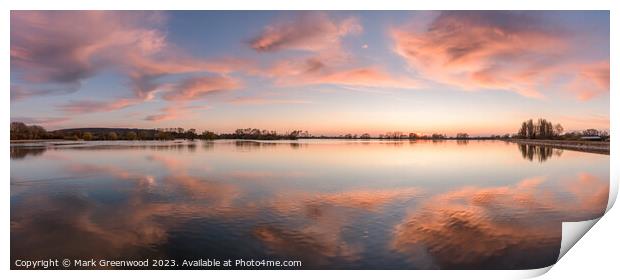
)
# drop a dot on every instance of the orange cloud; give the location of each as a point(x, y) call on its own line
point(88, 106)
point(174, 111)
point(309, 31)
point(168, 113)
point(496, 50)
point(313, 71)
point(49, 49)
point(320, 35)
point(367, 77)
point(192, 89)
point(591, 80)
point(199, 87)
point(265, 101)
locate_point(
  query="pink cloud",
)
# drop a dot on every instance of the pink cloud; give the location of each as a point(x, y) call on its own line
point(249, 100)
point(64, 48)
point(168, 113)
point(591, 80)
point(186, 90)
point(495, 50)
point(88, 106)
point(315, 71)
point(328, 62)
point(146, 70)
point(20, 92)
point(367, 77)
point(200, 87)
point(308, 31)
point(174, 111)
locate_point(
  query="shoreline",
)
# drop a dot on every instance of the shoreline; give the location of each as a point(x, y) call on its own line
point(598, 147)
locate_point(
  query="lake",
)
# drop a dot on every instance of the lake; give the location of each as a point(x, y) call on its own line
point(331, 204)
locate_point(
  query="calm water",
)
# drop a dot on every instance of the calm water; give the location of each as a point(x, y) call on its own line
point(330, 204)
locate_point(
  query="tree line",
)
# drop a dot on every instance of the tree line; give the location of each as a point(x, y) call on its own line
point(529, 129)
point(21, 131)
point(544, 129)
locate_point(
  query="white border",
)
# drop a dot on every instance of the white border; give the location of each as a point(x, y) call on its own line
point(584, 262)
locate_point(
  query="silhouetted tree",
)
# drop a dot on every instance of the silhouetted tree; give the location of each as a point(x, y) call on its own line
point(112, 136)
point(523, 131)
point(591, 132)
point(462, 135)
point(143, 135)
point(208, 135)
point(131, 136)
point(436, 136)
point(542, 129)
point(294, 135)
point(191, 134)
point(21, 131)
point(531, 130)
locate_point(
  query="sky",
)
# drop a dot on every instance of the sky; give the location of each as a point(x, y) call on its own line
point(328, 72)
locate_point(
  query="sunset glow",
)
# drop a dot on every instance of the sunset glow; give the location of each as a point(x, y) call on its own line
point(329, 73)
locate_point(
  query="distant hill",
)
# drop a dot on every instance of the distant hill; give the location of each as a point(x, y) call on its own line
point(113, 133)
point(102, 130)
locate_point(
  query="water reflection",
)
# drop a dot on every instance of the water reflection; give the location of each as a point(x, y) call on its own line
point(540, 153)
point(304, 204)
point(506, 227)
point(133, 219)
point(249, 145)
point(22, 152)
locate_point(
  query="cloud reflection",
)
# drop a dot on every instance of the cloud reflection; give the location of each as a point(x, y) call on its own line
point(169, 201)
point(499, 227)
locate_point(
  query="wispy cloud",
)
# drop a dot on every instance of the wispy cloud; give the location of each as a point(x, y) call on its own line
point(313, 71)
point(89, 106)
point(515, 51)
point(258, 100)
point(199, 87)
point(64, 48)
point(167, 113)
point(175, 111)
point(327, 62)
point(591, 80)
point(20, 92)
point(309, 31)
point(189, 90)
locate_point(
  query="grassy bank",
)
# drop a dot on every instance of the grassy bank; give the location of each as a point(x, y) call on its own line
point(599, 147)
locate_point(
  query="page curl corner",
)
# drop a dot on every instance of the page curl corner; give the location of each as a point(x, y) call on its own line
point(572, 232)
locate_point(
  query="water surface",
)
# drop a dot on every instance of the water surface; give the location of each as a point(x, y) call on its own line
point(332, 204)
